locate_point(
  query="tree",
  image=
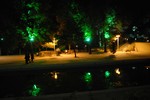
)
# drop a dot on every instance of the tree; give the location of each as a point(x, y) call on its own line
point(32, 24)
point(109, 24)
point(68, 29)
point(35, 24)
point(82, 23)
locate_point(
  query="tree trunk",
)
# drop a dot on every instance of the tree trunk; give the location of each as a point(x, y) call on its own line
point(75, 55)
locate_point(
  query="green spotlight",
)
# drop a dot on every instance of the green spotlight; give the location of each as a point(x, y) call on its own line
point(106, 35)
point(88, 39)
point(31, 38)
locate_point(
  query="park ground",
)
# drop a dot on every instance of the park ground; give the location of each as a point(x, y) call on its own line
point(18, 61)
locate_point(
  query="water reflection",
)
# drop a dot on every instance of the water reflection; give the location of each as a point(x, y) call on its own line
point(42, 82)
point(34, 91)
point(87, 77)
point(117, 71)
point(54, 75)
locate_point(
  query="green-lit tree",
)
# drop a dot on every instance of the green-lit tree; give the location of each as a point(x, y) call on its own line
point(32, 22)
point(76, 18)
point(82, 23)
point(65, 27)
point(109, 24)
point(70, 33)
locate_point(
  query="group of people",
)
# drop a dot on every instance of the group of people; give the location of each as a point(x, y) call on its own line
point(29, 53)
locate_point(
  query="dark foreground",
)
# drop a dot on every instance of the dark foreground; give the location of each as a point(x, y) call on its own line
point(126, 80)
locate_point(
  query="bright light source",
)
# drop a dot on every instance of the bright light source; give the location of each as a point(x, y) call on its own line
point(88, 39)
point(117, 36)
point(2, 39)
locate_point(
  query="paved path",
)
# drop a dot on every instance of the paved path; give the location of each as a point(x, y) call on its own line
point(17, 61)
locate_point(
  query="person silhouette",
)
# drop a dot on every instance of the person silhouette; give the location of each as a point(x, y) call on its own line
point(27, 55)
point(32, 55)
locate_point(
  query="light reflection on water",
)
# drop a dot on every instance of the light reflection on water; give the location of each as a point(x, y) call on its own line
point(43, 82)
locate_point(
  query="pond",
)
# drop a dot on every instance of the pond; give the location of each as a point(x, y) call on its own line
point(23, 83)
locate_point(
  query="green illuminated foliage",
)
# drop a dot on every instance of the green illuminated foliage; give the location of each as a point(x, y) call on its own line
point(81, 22)
point(109, 24)
point(86, 29)
point(34, 5)
point(32, 21)
point(77, 17)
point(31, 38)
point(75, 14)
point(110, 18)
point(106, 35)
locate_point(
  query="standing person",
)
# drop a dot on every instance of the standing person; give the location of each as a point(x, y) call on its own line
point(31, 52)
point(32, 55)
point(27, 55)
point(113, 47)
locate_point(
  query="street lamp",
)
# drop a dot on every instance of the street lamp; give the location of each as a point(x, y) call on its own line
point(117, 36)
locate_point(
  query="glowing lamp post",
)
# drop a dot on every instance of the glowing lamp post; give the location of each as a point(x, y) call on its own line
point(117, 36)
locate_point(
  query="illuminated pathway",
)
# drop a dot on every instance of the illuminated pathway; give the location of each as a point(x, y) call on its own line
point(17, 61)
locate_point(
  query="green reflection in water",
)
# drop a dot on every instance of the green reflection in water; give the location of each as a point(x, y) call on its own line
point(107, 74)
point(35, 90)
point(88, 77)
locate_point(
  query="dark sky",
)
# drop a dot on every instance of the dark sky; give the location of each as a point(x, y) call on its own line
point(124, 7)
point(7, 13)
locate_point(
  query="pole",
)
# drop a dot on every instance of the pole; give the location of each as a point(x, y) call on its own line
point(117, 36)
point(0, 51)
point(117, 43)
point(54, 44)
